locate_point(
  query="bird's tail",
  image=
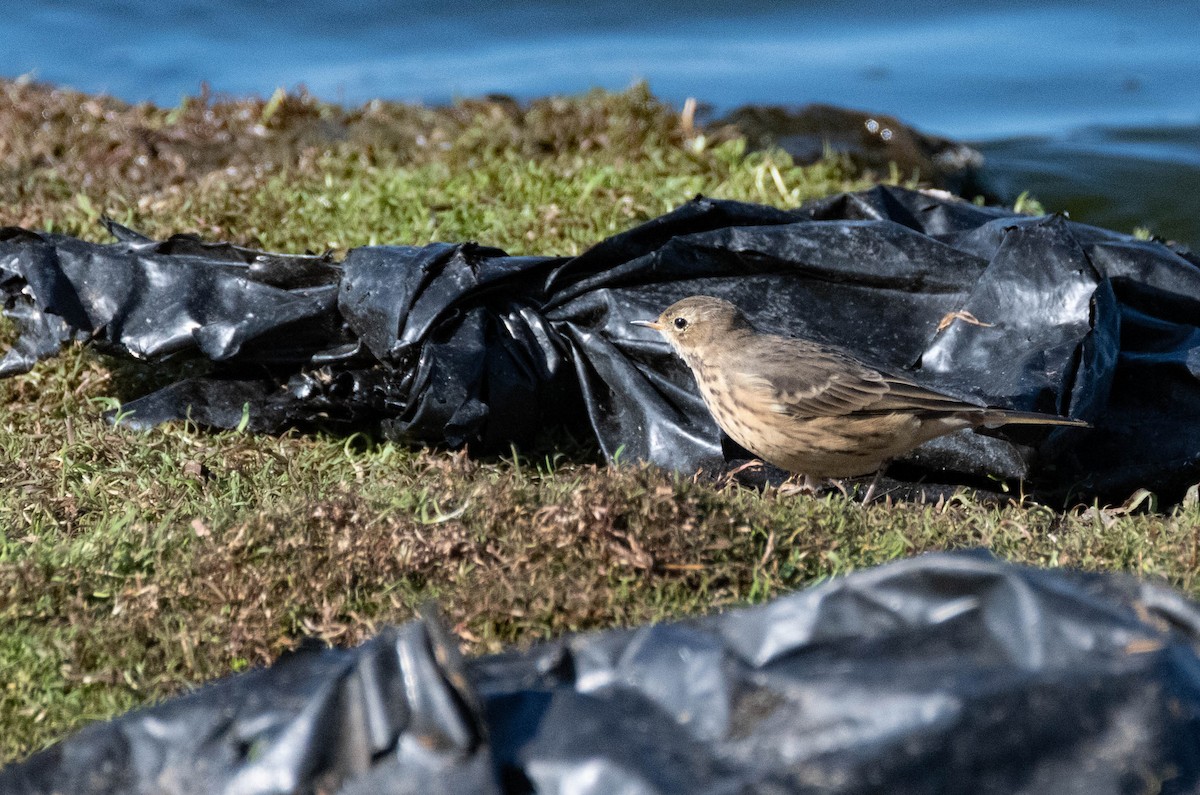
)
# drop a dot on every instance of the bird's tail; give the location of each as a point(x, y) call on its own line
point(994, 418)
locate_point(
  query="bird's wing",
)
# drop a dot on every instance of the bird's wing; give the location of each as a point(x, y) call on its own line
point(801, 379)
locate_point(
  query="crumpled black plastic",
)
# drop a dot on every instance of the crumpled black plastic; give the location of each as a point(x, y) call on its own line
point(461, 344)
point(951, 672)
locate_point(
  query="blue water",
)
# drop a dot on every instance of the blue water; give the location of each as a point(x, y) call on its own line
point(993, 72)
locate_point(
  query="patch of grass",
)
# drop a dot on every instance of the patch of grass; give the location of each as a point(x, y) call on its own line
point(1028, 205)
point(558, 204)
point(550, 178)
point(136, 565)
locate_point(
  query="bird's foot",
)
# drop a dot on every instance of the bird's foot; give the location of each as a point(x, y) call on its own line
point(732, 475)
point(803, 484)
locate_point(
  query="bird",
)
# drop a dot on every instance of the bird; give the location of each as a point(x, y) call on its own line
point(812, 409)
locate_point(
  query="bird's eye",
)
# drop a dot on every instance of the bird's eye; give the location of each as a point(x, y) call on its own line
point(680, 323)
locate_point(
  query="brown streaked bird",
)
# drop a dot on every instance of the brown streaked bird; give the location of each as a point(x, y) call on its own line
point(812, 409)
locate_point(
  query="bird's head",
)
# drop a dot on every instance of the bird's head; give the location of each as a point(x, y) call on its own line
point(697, 322)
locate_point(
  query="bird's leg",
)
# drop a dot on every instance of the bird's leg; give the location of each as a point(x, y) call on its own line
point(874, 482)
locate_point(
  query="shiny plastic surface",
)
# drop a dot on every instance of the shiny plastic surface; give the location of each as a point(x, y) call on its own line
point(952, 673)
point(461, 344)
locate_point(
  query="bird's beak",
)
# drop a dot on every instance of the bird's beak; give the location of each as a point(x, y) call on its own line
point(654, 324)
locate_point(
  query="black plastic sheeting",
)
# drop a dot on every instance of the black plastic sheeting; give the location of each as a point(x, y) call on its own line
point(461, 344)
point(952, 673)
